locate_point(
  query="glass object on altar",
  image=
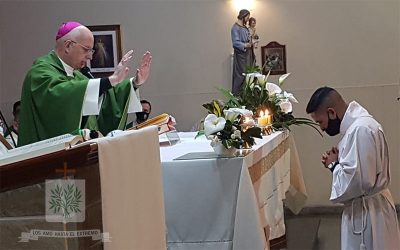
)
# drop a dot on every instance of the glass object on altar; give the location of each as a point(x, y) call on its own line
point(169, 138)
point(173, 137)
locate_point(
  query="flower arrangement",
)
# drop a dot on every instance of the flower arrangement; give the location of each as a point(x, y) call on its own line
point(231, 127)
point(259, 95)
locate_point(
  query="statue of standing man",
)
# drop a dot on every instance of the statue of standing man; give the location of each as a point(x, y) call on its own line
point(243, 53)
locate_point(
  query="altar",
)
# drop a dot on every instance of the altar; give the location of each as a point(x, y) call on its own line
point(229, 203)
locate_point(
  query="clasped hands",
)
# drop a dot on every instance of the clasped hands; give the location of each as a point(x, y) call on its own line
point(142, 73)
point(330, 156)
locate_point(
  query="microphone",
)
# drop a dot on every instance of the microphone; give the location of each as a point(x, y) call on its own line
point(86, 71)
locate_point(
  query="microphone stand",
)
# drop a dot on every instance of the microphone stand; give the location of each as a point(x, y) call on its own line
point(8, 128)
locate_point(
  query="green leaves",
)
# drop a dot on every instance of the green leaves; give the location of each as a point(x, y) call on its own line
point(65, 199)
point(232, 101)
point(214, 107)
point(286, 122)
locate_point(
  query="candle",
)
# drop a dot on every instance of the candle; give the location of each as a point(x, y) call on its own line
point(268, 117)
point(262, 120)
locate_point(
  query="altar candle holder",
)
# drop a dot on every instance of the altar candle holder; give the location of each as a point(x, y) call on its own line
point(267, 130)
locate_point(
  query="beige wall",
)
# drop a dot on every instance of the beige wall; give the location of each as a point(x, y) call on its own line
point(353, 46)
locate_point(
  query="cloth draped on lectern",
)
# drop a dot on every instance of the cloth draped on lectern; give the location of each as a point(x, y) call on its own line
point(132, 191)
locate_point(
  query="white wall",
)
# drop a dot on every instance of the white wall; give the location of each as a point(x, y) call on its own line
point(353, 46)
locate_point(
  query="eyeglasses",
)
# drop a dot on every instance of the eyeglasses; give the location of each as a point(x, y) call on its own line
point(87, 49)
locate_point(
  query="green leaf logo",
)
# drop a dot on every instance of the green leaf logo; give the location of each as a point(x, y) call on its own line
point(65, 200)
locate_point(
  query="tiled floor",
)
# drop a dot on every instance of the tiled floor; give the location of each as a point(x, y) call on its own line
point(319, 232)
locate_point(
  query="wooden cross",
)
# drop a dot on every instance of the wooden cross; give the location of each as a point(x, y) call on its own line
point(65, 170)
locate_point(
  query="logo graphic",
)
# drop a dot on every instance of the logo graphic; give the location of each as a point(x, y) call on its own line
point(65, 200)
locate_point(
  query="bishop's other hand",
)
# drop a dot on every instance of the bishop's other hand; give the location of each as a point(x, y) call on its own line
point(121, 72)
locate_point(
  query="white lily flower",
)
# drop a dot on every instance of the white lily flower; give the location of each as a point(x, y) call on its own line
point(249, 78)
point(242, 111)
point(230, 115)
point(261, 79)
point(272, 88)
point(289, 96)
point(282, 78)
point(251, 74)
point(213, 124)
point(286, 106)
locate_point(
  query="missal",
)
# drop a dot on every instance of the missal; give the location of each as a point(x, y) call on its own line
point(163, 122)
point(40, 148)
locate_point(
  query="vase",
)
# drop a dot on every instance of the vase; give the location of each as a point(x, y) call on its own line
point(221, 150)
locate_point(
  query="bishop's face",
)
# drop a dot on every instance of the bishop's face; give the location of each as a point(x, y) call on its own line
point(80, 51)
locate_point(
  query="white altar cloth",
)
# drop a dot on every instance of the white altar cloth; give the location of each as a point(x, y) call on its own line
point(225, 203)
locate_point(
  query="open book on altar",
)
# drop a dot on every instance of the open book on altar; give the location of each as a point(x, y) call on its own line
point(161, 121)
point(40, 148)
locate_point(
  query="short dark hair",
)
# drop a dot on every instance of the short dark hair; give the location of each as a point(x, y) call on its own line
point(243, 13)
point(318, 99)
point(16, 105)
point(145, 101)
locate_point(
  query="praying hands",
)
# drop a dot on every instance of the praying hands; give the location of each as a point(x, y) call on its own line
point(330, 156)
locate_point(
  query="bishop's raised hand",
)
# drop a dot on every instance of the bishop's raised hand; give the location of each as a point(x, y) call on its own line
point(121, 72)
point(143, 72)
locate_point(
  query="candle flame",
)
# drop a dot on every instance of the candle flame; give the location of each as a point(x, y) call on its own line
point(261, 113)
point(266, 112)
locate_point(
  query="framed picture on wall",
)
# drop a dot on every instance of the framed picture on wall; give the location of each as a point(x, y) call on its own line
point(273, 57)
point(108, 51)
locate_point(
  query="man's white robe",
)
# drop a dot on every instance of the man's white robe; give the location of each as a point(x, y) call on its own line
point(360, 181)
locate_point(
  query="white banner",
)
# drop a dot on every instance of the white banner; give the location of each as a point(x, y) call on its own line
point(34, 234)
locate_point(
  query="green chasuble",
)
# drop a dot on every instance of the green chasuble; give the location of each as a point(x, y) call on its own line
point(51, 103)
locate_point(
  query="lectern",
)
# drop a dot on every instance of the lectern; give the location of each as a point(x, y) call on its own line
point(22, 198)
